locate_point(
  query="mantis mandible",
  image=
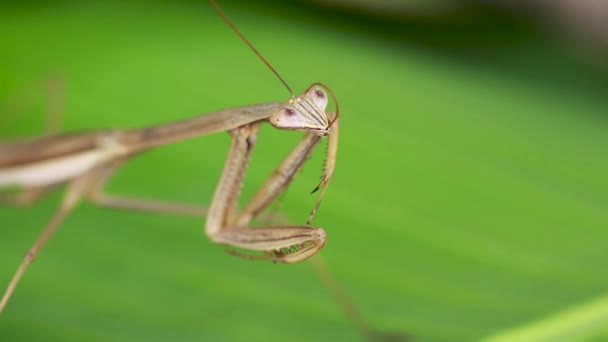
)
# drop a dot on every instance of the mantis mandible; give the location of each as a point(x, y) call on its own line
point(84, 162)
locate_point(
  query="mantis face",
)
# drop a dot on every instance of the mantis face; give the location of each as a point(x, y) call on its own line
point(304, 112)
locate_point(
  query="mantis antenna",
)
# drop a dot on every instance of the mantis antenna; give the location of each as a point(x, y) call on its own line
point(238, 32)
point(219, 11)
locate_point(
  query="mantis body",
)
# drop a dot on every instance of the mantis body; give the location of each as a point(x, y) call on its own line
point(84, 162)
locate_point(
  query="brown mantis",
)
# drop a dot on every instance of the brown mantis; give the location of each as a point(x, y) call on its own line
point(84, 162)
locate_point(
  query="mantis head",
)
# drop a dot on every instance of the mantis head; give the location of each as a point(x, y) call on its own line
point(305, 112)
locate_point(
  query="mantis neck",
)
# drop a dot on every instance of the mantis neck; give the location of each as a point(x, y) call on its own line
point(141, 139)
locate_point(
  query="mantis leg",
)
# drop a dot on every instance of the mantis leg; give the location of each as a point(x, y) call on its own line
point(72, 197)
point(278, 182)
point(25, 197)
point(351, 311)
point(140, 204)
point(98, 196)
point(275, 185)
point(280, 243)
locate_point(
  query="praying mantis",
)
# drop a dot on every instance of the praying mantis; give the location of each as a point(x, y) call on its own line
point(84, 162)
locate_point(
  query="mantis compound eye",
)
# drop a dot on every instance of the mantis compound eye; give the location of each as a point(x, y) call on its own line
point(318, 96)
point(287, 117)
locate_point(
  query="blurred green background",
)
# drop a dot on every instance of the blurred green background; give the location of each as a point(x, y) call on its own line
point(469, 201)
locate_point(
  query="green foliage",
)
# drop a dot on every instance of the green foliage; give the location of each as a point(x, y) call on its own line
point(470, 195)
